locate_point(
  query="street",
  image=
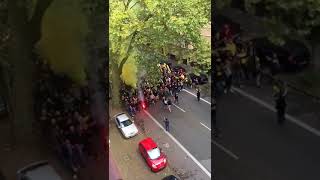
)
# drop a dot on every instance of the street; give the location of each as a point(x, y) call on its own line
point(190, 123)
point(187, 144)
point(264, 150)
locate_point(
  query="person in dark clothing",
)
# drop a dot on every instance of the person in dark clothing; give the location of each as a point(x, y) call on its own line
point(198, 94)
point(176, 98)
point(216, 131)
point(281, 108)
point(166, 123)
point(169, 104)
point(280, 95)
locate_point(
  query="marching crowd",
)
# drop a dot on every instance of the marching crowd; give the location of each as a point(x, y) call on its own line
point(236, 61)
point(63, 112)
point(166, 91)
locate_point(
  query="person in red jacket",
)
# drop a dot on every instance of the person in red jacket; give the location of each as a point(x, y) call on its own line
point(226, 33)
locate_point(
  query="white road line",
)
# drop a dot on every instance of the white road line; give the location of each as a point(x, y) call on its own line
point(225, 150)
point(179, 107)
point(196, 96)
point(180, 145)
point(205, 126)
point(270, 107)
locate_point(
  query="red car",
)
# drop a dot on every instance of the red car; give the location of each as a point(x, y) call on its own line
point(155, 159)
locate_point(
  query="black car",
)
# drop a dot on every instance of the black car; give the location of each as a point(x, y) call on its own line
point(171, 177)
point(293, 55)
point(199, 80)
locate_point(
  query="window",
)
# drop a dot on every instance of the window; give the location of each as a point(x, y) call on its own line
point(154, 153)
point(126, 123)
point(118, 122)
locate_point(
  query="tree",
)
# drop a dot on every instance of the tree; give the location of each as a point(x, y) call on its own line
point(146, 26)
point(24, 22)
point(148, 67)
point(297, 19)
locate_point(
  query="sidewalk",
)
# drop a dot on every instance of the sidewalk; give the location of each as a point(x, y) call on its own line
point(307, 82)
point(126, 153)
point(127, 157)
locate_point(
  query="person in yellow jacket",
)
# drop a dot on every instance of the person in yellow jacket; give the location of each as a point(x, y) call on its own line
point(231, 47)
point(243, 57)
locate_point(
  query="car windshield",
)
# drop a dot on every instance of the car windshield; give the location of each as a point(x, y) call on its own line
point(126, 123)
point(154, 153)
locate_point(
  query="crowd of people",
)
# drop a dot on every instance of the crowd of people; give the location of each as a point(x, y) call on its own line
point(63, 112)
point(236, 61)
point(166, 91)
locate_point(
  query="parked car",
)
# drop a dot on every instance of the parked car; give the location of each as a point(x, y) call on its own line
point(293, 55)
point(152, 154)
point(38, 171)
point(171, 177)
point(126, 125)
point(201, 78)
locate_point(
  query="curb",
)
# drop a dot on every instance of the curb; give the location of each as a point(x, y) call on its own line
point(293, 87)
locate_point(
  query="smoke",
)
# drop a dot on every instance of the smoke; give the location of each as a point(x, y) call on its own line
point(64, 29)
point(129, 73)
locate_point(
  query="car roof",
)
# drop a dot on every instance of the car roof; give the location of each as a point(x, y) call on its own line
point(148, 143)
point(42, 172)
point(122, 117)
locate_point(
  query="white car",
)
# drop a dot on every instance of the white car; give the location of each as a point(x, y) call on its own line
point(126, 125)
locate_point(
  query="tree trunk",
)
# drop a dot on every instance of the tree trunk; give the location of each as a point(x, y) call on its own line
point(20, 50)
point(315, 56)
point(116, 82)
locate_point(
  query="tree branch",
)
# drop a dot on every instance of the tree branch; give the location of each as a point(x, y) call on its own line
point(130, 47)
point(134, 4)
point(36, 19)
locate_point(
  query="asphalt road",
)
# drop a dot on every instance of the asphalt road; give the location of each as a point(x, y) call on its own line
point(190, 124)
point(263, 150)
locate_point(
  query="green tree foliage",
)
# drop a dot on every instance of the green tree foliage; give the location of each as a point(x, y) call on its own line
point(148, 67)
point(297, 19)
point(153, 26)
point(63, 43)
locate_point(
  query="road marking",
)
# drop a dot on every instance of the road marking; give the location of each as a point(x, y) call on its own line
point(180, 145)
point(205, 126)
point(225, 150)
point(196, 96)
point(270, 107)
point(179, 107)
